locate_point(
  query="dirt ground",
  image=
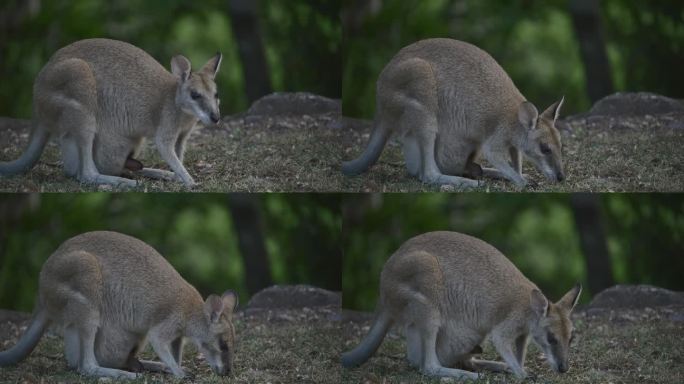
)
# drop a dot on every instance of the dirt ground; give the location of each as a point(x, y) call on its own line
point(613, 345)
point(275, 345)
point(300, 149)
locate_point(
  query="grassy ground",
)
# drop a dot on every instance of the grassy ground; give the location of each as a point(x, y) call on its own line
point(285, 347)
point(303, 153)
point(637, 346)
point(254, 155)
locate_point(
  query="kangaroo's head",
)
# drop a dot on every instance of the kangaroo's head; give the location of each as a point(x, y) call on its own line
point(542, 144)
point(196, 93)
point(217, 341)
point(552, 329)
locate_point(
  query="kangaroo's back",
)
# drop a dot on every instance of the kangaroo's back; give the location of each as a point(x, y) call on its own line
point(474, 275)
point(459, 254)
point(116, 64)
point(121, 85)
point(465, 72)
point(132, 275)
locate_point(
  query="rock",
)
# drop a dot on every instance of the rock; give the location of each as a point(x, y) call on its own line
point(14, 316)
point(357, 316)
point(14, 124)
point(636, 297)
point(635, 104)
point(298, 103)
point(355, 124)
point(294, 296)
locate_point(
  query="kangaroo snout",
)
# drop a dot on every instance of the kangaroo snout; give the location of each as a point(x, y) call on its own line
point(562, 367)
point(214, 117)
point(560, 176)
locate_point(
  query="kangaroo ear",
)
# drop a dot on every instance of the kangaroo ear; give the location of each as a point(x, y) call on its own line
point(212, 66)
point(570, 299)
point(213, 307)
point(230, 301)
point(527, 115)
point(539, 303)
point(553, 111)
point(180, 67)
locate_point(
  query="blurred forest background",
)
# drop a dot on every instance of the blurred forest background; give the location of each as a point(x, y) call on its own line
point(244, 242)
point(267, 45)
point(583, 49)
point(554, 239)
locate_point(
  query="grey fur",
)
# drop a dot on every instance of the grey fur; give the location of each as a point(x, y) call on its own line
point(449, 291)
point(110, 294)
point(449, 103)
point(102, 98)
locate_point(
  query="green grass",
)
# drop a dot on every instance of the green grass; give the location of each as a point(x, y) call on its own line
point(304, 153)
point(300, 347)
point(638, 348)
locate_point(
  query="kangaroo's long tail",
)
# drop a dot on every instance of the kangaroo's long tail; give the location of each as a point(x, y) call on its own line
point(39, 137)
point(376, 144)
point(370, 343)
point(28, 340)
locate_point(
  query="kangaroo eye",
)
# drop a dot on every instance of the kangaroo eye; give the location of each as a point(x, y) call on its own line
point(545, 149)
point(195, 95)
point(551, 339)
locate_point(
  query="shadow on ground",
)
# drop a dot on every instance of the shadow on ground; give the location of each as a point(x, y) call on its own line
point(296, 142)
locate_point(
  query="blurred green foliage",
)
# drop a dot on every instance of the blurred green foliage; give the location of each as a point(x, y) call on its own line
point(300, 37)
point(644, 233)
point(533, 40)
point(304, 39)
point(195, 232)
point(646, 45)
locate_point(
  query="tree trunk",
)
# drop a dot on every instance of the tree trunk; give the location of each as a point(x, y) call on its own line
point(586, 20)
point(589, 223)
point(12, 209)
point(246, 215)
point(244, 23)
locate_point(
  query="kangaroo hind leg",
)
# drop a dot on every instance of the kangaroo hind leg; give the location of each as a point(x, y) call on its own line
point(75, 299)
point(70, 102)
point(413, 346)
point(430, 364)
point(429, 171)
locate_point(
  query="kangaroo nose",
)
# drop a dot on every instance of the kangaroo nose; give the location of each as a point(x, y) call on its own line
point(214, 118)
point(562, 368)
point(560, 176)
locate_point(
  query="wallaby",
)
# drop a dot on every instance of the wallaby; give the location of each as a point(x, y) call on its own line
point(449, 291)
point(449, 103)
point(102, 98)
point(110, 294)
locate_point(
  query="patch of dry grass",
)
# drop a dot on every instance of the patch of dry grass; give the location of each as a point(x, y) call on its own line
point(297, 347)
point(304, 153)
point(637, 348)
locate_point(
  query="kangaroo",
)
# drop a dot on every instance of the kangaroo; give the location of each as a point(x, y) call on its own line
point(110, 294)
point(449, 103)
point(102, 98)
point(449, 291)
